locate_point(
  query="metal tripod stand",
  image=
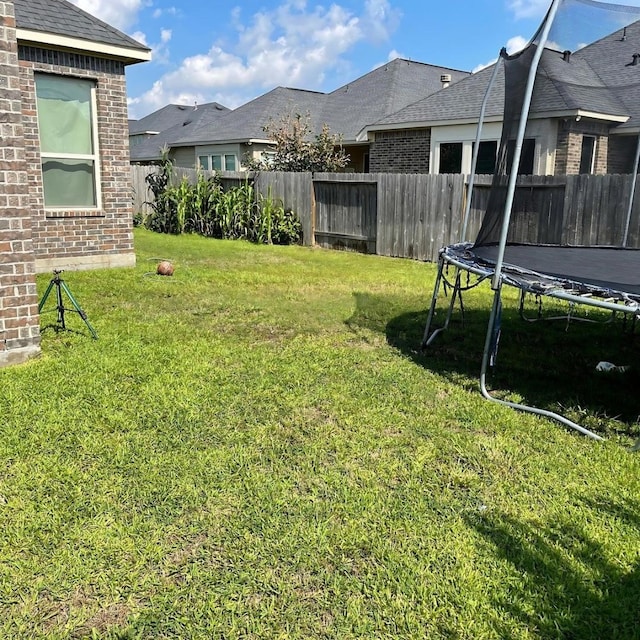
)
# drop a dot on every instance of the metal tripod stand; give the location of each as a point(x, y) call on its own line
point(61, 286)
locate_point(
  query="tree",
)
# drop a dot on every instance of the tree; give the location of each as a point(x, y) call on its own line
point(296, 150)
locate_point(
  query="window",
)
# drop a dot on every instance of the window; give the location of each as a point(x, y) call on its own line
point(587, 154)
point(217, 162)
point(68, 141)
point(486, 162)
point(527, 156)
point(451, 157)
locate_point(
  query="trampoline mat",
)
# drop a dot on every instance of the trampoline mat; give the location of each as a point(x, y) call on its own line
point(604, 267)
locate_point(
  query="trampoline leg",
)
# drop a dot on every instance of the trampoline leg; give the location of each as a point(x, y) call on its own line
point(426, 338)
point(514, 405)
point(429, 337)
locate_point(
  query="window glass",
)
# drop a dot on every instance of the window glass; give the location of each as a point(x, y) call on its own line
point(486, 162)
point(230, 163)
point(64, 114)
point(527, 156)
point(451, 157)
point(66, 124)
point(587, 154)
point(68, 183)
point(204, 162)
point(216, 163)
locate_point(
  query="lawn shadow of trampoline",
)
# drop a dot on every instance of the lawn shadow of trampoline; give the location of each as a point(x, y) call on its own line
point(545, 364)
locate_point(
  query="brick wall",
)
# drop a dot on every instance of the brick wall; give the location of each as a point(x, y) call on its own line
point(91, 238)
point(405, 151)
point(19, 321)
point(569, 146)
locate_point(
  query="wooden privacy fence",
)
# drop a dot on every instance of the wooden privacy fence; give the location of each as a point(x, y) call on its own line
point(414, 215)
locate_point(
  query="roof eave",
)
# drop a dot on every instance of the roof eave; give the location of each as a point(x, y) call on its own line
point(205, 143)
point(422, 124)
point(129, 55)
point(429, 124)
point(579, 114)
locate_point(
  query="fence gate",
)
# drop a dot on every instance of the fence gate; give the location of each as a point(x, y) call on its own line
point(346, 214)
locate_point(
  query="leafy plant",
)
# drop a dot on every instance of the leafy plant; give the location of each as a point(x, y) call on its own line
point(207, 209)
point(297, 149)
point(163, 218)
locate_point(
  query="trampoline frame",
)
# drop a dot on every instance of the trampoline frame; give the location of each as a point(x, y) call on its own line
point(463, 259)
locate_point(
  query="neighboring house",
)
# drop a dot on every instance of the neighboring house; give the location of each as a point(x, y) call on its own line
point(65, 197)
point(149, 136)
point(584, 119)
point(226, 142)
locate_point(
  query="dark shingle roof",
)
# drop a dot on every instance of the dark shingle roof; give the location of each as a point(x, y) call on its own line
point(171, 115)
point(346, 110)
point(65, 19)
point(599, 78)
point(381, 92)
point(612, 58)
point(171, 122)
point(460, 101)
point(248, 121)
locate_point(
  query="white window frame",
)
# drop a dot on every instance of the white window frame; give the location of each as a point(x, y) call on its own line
point(544, 132)
point(221, 152)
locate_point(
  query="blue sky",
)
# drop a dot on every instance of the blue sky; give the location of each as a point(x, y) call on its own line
point(205, 50)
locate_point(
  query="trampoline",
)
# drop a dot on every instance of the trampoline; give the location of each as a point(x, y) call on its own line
point(589, 93)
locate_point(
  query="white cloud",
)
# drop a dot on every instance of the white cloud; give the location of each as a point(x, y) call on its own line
point(515, 44)
point(292, 45)
point(528, 8)
point(121, 14)
point(380, 19)
point(169, 11)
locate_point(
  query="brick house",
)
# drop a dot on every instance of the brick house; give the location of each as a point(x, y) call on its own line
point(64, 174)
point(223, 139)
point(585, 117)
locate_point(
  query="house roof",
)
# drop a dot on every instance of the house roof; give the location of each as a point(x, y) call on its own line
point(380, 92)
point(60, 23)
point(599, 79)
point(346, 110)
point(171, 115)
point(248, 121)
point(172, 121)
point(612, 59)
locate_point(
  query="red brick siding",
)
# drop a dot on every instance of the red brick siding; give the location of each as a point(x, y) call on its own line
point(19, 321)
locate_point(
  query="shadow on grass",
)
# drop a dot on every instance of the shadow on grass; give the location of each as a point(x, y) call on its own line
point(567, 585)
point(547, 364)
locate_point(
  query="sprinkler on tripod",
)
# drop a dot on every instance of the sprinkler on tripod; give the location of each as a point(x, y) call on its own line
point(59, 284)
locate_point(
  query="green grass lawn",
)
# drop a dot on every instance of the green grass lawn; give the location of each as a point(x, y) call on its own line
point(256, 448)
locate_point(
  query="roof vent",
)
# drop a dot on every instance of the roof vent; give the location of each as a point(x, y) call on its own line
point(636, 60)
point(445, 78)
point(566, 55)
